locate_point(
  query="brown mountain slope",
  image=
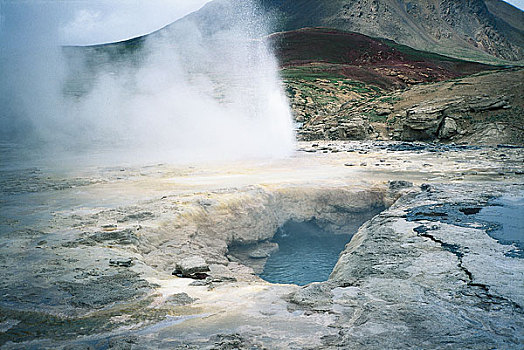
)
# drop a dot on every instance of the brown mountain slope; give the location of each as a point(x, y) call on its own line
point(472, 29)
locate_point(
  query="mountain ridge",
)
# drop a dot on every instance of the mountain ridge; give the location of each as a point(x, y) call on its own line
point(486, 31)
point(464, 29)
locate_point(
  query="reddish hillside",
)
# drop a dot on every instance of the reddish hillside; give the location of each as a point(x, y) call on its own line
point(322, 52)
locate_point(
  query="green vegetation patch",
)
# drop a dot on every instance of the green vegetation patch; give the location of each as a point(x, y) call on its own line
point(306, 77)
point(310, 74)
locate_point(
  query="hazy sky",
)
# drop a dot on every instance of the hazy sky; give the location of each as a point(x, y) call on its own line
point(82, 22)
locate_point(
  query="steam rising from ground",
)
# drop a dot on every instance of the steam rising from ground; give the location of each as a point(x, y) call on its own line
point(190, 92)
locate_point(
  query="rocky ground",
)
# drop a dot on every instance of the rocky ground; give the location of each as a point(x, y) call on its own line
point(478, 109)
point(138, 257)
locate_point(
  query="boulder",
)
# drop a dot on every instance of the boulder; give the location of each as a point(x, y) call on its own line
point(422, 123)
point(192, 267)
point(399, 184)
point(486, 103)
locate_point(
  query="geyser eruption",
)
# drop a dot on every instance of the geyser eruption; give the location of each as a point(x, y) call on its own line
point(204, 88)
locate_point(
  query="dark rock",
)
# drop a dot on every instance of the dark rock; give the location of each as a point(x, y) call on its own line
point(100, 292)
point(121, 262)
point(421, 229)
point(123, 237)
point(78, 347)
point(425, 187)
point(232, 342)
point(201, 282)
point(470, 211)
point(110, 227)
point(398, 184)
point(122, 343)
point(221, 279)
point(137, 217)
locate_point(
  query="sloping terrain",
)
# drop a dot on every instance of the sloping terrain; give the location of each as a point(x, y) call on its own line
point(349, 86)
point(323, 52)
point(477, 29)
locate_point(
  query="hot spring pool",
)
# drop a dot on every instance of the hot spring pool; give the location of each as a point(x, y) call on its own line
point(306, 254)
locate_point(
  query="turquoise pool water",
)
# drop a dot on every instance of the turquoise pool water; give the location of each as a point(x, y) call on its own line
point(306, 254)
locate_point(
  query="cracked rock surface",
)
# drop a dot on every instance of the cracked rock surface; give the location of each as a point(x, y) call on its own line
point(412, 282)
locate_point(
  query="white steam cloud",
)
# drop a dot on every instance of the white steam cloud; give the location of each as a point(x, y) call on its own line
point(187, 93)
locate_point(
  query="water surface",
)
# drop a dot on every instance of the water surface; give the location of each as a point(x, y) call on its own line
point(306, 254)
point(507, 215)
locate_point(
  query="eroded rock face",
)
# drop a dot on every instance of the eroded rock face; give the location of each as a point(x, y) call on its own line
point(437, 119)
point(437, 25)
point(479, 109)
point(264, 251)
point(249, 217)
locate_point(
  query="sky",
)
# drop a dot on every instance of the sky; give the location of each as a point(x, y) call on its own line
point(517, 3)
point(85, 22)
